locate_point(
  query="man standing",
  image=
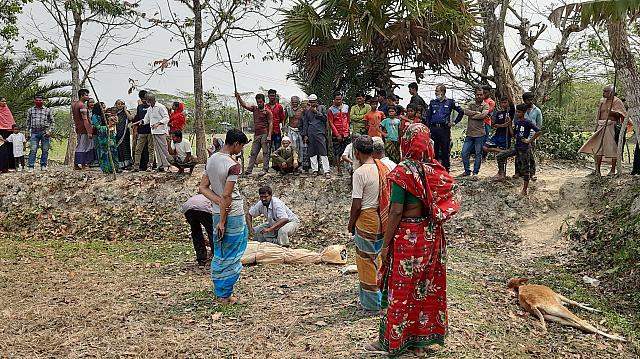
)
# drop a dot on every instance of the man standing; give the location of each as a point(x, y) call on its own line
point(262, 130)
point(158, 118)
point(602, 143)
point(294, 123)
point(534, 115)
point(486, 90)
point(278, 118)
point(382, 102)
point(357, 114)
point(367, 220)
point(339, 122)
point(281, 221)
point(84, 152)
point(438, 119)
point(144, 139)
point(476, 112)
point(415, 98)
point(230, 229)
point(40, 124)
point(314, 132)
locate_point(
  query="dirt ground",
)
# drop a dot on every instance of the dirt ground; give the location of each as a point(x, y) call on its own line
point(91, 267)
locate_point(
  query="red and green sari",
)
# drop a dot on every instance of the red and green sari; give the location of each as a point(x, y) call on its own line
point(414, 283)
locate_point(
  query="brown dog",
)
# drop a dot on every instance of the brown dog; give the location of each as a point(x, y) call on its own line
point(546, 304)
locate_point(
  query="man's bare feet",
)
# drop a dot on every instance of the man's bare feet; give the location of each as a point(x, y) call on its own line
point(498, 178)
point(230, 301)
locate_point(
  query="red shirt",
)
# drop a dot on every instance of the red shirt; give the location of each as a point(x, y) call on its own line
point(339, 120)
point(492, 106)
point(278, 115)
point(405, 122)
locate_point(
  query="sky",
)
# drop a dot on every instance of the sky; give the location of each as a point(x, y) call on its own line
point(130, 62)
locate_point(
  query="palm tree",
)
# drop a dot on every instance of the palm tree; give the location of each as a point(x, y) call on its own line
point(22, 78)
point(347, 43)
point(614, 15)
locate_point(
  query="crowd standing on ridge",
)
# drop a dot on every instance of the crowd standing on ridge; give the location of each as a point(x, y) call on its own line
point(398, 159)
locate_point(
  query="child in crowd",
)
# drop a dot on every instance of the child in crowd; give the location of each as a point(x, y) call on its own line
point(373, 119)
point(522, 149)
point(391, 129)
point(412, 117)
point(501, 121)
point(19, 146)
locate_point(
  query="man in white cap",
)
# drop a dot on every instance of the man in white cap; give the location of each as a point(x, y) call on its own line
point(285, 159)
point(314, 133)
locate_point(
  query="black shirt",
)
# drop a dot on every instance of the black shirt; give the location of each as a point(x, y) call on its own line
point(140, 113)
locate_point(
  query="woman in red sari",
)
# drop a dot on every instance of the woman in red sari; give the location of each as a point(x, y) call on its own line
point(413, 275)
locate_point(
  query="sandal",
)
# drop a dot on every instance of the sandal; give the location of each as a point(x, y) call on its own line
point(375, 348)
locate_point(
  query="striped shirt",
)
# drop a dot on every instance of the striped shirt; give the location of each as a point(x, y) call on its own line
point(39, 118)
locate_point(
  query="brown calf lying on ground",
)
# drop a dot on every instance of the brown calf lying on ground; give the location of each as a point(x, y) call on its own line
point(546, 304)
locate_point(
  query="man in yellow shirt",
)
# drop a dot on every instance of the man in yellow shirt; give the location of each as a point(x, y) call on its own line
point(357, 115)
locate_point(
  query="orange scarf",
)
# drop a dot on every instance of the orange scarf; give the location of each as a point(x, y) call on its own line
point(384, 196)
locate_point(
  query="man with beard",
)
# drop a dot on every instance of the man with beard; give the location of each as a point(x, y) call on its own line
point(314, 132)
point(281, 221)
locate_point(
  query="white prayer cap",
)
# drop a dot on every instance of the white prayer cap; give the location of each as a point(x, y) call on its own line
point(286, 138)
point(312, 97)
point(377, 139)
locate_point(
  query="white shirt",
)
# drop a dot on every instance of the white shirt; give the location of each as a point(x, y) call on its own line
point(181, 149)
point(348, 151)
point(276, 211)
point(18, 140)
point(157, 114)
point(366, 185)
point(387, 162)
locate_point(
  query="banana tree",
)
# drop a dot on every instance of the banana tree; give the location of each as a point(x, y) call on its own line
point(614, 15)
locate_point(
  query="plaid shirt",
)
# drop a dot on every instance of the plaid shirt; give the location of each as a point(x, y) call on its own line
point(40, 118)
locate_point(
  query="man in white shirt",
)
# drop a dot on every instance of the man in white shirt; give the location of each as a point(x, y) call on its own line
point(158, 117)
point(349, 157)
point(378, 153)
point(198, 212)
point(281, 222)
point(181, 152)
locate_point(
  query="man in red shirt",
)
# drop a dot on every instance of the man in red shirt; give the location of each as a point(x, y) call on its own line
point(339, 121)
point(278, 118)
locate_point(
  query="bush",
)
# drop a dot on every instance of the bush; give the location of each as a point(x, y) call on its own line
point(560, 140)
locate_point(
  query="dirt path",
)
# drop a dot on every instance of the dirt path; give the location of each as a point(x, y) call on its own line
point(85, 271)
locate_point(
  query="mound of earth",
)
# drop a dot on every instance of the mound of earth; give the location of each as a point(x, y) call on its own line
point(111, 266)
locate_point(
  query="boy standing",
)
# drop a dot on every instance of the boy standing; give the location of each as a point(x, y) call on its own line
point(391, 129)
point(522, 149)
point(373, 118)
point(19, 146)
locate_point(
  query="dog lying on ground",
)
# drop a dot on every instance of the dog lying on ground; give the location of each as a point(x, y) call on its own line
point(546, 304)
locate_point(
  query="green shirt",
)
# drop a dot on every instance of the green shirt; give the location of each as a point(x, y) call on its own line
point(399, 195)
point(357, 114)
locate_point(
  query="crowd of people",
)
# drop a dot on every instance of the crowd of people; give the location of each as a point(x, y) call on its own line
point(114, 138)
point(402, 192)
point(398, 158)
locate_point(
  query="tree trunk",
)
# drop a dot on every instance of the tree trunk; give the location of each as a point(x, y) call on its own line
point(628, 74)
point(198, 90)
point(75, 85)
point(496, 53)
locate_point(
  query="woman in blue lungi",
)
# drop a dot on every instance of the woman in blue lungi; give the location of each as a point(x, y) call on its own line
point(218, 184)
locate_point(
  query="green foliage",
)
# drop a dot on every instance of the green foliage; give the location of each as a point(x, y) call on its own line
point(561, 140)
point(346, 46)
point(22, 78)
point(9, 10)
